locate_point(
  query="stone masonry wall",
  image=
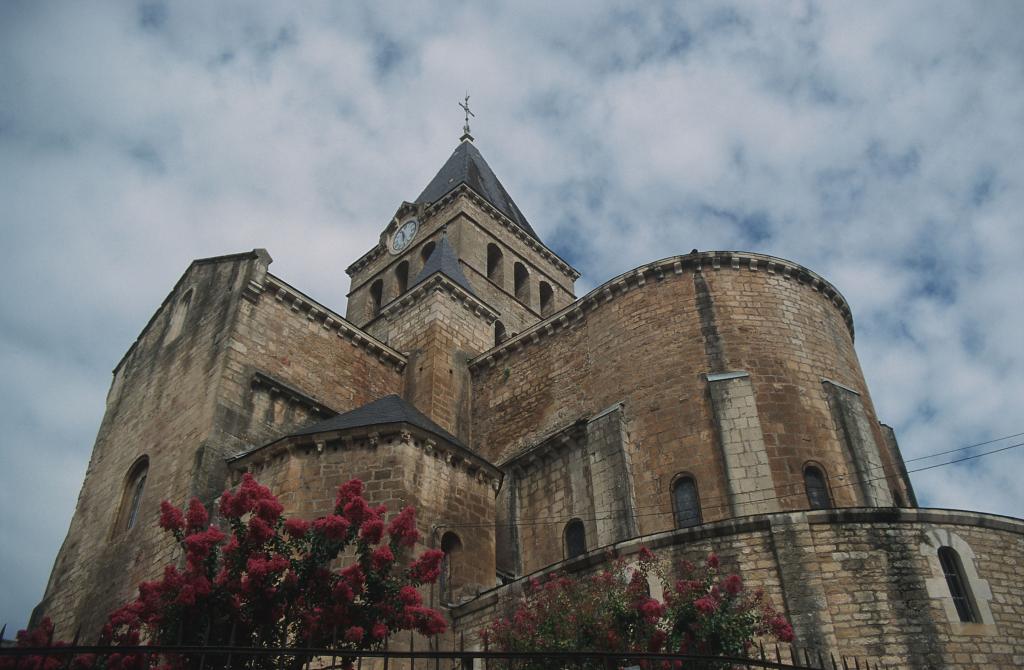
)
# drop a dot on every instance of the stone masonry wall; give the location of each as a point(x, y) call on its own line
point(648, 339)
point(161, 406)
point(398, 470)
point(277, 336)
point(868, 594)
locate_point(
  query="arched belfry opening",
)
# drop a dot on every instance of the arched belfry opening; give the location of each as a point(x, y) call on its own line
point(500, 334)
point(547, 299)
point(376, 297)
point(402, 277)
point(521, 277)
point(495, 264)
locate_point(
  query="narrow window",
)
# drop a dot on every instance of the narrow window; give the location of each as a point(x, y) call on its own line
point(499, 333)
point(547, 299)
point(495, 264)
point(575, 539)
point(131, 497)
point(686, 502)
point(402, 277)
point(179, 314)
point(426, 251)
point(522, 283)
point(451, 546)
point(817, 488)
point(376, 295)
point(954, 574)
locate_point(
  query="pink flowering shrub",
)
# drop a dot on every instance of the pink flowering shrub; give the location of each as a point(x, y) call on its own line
point(703, 613)
point(271, 582)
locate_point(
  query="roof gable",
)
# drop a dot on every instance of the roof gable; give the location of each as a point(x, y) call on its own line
point(389, 409)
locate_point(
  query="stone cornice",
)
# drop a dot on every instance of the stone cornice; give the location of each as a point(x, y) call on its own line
point(371, 437)
point(761, 523)
point(441, 283)
point(547, 447)
point(330, 320)
point(658, 270)
point(463, 190)
point(278, 387)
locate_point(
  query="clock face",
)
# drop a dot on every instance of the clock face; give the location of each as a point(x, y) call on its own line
point(403, 236)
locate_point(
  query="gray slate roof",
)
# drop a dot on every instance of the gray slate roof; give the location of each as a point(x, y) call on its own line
point(389, 409)
point(467, 166)
point(444, 260)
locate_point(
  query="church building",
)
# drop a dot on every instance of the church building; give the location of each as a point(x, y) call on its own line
point(710, 400)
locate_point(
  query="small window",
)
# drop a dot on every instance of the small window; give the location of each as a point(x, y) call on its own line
point(402, 277)
point(954, 574)
point(817, 488)
point(178, 315)
point(451, 546)
point(426, 251)
point(376, 296)
point(575, 539)
point(500, 335)
point(495, 264)
point(131, 497)
point(547, 299)
point(522, 283)
point(686, 502)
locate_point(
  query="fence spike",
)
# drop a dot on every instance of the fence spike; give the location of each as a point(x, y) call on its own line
point(206, 641)
point(778, 653)
point(807, 657)
point(3, 630)
point(856, 662)
point(334, 644)
point(833, 657)
point(412, 648)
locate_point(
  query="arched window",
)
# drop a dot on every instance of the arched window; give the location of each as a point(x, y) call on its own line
point(179, 314)
point(500, 335)
point(547, 299)
point(575, 539)
point(376, 295)
point(402, 277)
point(451, 546)
point(131, 496)
point(953, 571)
point(817, 488)
point(686, 502)
point(495, 264)
point(522, 283)
point(426, 251)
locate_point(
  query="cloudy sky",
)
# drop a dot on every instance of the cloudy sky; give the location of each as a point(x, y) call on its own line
point(879, 144)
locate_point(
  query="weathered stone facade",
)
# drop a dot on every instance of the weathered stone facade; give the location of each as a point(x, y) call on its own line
point(703, 401)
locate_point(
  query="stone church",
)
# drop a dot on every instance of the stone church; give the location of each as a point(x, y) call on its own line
point(706, 401)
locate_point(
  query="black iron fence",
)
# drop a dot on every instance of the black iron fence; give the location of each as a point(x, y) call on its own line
point(213, 657)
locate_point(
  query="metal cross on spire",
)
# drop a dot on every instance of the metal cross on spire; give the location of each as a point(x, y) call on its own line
point(465, 128)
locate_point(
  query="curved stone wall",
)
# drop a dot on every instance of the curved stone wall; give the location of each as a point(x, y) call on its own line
point(855, 582)
point(735, 368)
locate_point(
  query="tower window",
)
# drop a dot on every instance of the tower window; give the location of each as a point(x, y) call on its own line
point(575, 539)
point(376, 295)
point(451, 546)
point(402, 276)
point(426, 251)
point(954, 574)
point(499, 333)
point(817, 488)
point(547, 299)
point(686, 502)
point(522, 283)
point(131, 497)
point(495, 264)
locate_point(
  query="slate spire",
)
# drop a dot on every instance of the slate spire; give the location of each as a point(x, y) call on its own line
point(467, 166)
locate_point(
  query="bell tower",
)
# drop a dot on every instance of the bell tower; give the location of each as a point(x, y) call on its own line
point(455, 272)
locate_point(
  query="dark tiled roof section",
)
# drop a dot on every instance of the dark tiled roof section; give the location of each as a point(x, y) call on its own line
point(444, 260)
point(389, 409)
point(467, 166)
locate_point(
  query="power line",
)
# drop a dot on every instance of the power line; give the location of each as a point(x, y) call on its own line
point(970, 446)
